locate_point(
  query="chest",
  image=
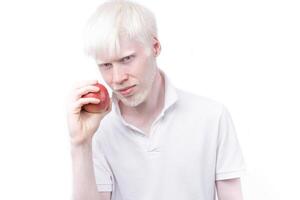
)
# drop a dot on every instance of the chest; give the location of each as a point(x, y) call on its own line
point(168, 146)
point(178, 155)
point(148, 164)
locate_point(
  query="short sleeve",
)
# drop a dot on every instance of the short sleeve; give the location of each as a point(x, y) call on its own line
point(103, 174)
point(229, 162)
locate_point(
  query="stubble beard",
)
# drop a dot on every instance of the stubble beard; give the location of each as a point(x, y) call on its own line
point(140, 97)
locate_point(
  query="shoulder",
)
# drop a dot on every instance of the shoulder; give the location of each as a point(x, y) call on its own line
point(201, 105)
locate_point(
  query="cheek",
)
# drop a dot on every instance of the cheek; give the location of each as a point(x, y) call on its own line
point(107, 77)
point(141, 67)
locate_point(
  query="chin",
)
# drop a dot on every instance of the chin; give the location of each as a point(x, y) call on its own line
point(134, 100)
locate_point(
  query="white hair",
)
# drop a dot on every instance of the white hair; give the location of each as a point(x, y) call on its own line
point(113, 20)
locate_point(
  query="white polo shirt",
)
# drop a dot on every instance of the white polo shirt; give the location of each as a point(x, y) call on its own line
point(192, 143)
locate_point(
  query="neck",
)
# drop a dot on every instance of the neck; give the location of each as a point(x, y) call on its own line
point(153, 104)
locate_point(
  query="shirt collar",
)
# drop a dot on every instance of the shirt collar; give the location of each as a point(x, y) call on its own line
point(171, 97)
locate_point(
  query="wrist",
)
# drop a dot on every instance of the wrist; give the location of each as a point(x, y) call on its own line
point(81, 148)
point(80, 141)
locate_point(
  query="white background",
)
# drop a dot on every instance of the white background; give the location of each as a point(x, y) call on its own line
point(245, 54)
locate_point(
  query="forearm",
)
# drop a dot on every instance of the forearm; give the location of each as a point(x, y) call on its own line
point(229, 189)
point(84, 184)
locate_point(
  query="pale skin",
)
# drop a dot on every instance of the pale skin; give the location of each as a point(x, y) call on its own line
point(129, 68)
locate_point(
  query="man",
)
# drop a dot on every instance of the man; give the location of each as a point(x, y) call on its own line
point(154, 142)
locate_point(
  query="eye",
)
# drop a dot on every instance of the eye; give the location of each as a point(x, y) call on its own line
point(105, 65)
point(127, 59)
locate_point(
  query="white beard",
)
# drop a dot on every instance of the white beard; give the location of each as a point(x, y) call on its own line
point(139, 98)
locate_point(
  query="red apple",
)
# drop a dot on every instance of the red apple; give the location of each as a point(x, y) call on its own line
point(103, 95)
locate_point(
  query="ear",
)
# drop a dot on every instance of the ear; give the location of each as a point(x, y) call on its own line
point(156, 48)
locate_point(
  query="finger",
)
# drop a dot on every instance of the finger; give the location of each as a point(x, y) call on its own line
point(84, 90)
point(81, 84)
point(83, 101)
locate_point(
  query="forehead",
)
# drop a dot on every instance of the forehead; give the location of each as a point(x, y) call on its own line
point(126, 47)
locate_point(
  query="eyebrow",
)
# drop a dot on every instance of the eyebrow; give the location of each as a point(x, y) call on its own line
point(131, 54)
point(118, 60)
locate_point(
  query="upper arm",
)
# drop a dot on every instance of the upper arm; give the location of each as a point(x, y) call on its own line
point(229, 189)
point(229, 159)
point(104, 195)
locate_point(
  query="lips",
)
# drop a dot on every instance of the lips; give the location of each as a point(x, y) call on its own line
point(127, 90)
point(123, 89)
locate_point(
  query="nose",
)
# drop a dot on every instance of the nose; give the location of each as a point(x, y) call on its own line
point(119, 75)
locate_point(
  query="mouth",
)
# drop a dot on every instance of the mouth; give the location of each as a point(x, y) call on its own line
point(126, 91)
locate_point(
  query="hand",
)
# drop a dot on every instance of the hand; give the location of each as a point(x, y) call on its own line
point(82, 124)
